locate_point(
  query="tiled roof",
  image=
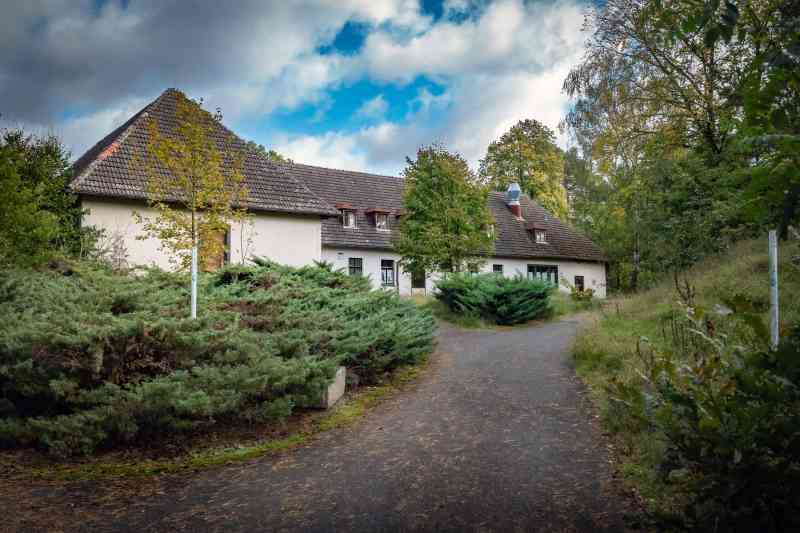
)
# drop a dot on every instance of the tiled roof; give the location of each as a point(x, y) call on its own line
point(110, 167)
point(365, 192)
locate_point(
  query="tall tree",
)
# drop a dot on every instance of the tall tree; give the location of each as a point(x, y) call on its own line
point(195, 186)
point(447, 224)
point(26, 228)
point(36, 174)
point(527, 154)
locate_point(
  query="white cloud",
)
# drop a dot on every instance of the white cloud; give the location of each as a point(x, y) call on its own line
point(506, 66)
point(504, 62)
point(373, 109)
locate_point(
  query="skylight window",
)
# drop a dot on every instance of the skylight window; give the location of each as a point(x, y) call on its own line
point(540, 236)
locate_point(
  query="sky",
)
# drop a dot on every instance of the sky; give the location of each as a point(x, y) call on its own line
point(353, 84)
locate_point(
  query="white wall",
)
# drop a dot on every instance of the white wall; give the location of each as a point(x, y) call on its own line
point(287, 239)
point(593, 273)
point(371, 265)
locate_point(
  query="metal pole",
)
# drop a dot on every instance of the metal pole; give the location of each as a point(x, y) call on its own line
point(194, 281)
point(773, 289)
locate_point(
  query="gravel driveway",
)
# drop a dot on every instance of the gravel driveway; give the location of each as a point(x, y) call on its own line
point(497, 436)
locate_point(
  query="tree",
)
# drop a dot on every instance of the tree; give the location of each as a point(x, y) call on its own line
point(26, 228)
point(527, 154)
point(36, 174)
point(195, 186)
point(447, 224)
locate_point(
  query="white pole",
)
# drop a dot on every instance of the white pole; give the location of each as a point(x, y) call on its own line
point(773, 289)
point(194, 281)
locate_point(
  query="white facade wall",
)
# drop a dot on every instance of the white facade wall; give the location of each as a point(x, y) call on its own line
point(594, 274)
point(287, 239)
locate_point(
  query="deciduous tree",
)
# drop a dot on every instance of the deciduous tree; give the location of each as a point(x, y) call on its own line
point(527, 154)
point(447, 224)
point(195, 185)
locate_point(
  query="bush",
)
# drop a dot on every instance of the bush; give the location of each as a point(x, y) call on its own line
point(497, 299)
point(730, 419)
point(89, 357)
point(584, 296)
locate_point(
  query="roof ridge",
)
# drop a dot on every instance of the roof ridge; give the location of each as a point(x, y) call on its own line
point(362, 173)
point(112, 140)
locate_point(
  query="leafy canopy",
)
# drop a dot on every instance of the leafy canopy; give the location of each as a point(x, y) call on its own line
point(39, 216)
point(447, 225)
point(527, 154)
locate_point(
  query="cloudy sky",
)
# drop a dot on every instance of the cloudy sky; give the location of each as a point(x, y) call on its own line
point(356, 84)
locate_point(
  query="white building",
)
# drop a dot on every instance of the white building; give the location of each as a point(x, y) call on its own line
point(303, 213)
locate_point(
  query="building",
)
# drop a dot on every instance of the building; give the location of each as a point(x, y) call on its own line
point(304, 213)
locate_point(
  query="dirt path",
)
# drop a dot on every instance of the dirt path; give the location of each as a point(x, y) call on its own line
point(498, 436)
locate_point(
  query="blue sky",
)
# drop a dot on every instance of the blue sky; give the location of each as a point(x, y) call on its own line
point(357, 84)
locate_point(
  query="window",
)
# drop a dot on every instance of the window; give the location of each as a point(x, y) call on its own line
point(497, 269)
point(387, 272)
point(348, 218)
point(540, 235)
point(548, 273)
point(381, 221)
point(356, 266)
point(579, 283)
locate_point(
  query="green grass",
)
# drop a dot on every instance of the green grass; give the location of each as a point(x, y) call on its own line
point(606, 350)
point(348, 411)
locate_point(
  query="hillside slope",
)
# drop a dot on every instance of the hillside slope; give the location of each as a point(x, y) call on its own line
point(617, 353)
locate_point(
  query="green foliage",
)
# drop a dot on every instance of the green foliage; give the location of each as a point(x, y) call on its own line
point(729, 417)
point(89, 357)
point(38, 214)
point(497, 299)
point(704, 415)
point(686, 113)
point(527, 154)
point(447, 222)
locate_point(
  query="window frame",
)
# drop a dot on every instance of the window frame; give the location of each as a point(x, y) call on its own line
point(382, 217)
point(344, 216)
point(497, 268)
point(540, 236)
point(352, 266)
point(580, 285)
point(390, 269)
point(543, 273)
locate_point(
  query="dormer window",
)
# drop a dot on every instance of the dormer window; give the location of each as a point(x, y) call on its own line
point(348, 218)
point(382, 221)
point(540, 236)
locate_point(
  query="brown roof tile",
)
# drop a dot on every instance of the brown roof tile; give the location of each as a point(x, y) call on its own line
point(367, 192)
point(109, 168)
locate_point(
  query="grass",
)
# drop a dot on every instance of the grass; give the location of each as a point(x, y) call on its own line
point(606, 350)
point(348, 411)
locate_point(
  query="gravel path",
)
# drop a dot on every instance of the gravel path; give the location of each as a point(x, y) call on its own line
point(497, 436)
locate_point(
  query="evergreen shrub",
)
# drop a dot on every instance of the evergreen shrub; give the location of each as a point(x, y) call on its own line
point(89, 357)
point(497, 299)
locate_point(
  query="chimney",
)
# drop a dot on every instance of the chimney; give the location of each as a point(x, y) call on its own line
point(512, 200)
